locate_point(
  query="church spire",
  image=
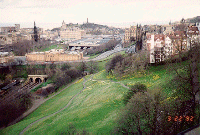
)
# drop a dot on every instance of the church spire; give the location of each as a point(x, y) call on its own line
point(35, 33)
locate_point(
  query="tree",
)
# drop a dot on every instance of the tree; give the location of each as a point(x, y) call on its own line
point(143, 115)
point(73, 73)
point(65, 66)
point(138, 87)
point(92, 67)
point(187, 78)
point(82, 67)
point(10, 109)
point(111, 64)
point(186, 85)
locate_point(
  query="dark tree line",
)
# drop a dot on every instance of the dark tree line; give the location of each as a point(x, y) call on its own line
point(128, 65)
point(12, 109)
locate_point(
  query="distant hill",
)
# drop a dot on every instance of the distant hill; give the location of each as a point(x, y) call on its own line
point(94, 29)
point(55, 29)
point(93, 26)
point(193, 20)
point(97, 29)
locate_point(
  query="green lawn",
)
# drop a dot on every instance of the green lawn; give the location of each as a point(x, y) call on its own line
point(95, 108)
point(93, 56)
point(49, 107)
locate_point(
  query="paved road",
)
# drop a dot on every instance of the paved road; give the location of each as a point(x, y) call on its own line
point(107, 53)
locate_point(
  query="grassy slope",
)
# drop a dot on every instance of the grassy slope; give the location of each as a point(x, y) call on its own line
point(95, 109)
point(49, 107)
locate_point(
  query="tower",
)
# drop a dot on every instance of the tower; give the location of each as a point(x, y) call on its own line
point(35, 33)
point(63, 25)
point(17, 27)
point(87, 20)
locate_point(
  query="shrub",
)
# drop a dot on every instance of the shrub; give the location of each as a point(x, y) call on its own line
point(73, 73)
point(138, 87)
point(71, 130)
point(111, 64)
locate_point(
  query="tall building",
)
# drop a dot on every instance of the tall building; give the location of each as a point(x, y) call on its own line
point(17, 27)
point(130, 34)
point(160, 47)
point(63, 27)
point(71, 32)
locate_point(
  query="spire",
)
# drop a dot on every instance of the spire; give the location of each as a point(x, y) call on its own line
point(35, 33)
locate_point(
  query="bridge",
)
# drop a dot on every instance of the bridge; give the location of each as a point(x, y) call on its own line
point(37, 78)
point(81, 46)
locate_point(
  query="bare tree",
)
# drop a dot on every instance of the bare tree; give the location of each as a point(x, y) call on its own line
point(92, 66)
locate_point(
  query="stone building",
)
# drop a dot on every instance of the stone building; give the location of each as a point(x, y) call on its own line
point(130, 33)
point(160, 47)
point(54, 55)
point(179, 40)
point(167, 29)
point(71, 32)
point(15, 28)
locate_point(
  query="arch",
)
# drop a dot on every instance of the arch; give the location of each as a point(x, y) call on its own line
point(30, 79)
point(38, 80)
point(45, 79)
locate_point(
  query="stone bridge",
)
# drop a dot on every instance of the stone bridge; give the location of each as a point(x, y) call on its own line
point(37, 78)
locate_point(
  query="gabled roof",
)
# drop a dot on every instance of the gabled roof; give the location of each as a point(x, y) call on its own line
point(159, 36)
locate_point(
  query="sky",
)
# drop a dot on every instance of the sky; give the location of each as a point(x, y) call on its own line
point(117, 13)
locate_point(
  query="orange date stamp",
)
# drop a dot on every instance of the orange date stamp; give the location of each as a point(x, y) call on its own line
point(180, 118)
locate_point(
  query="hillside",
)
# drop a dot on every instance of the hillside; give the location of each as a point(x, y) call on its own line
point(93, 103)
point(193, 20)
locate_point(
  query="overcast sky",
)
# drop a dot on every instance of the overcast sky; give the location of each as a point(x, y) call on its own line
point(51, 13)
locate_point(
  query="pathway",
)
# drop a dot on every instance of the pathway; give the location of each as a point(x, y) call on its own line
point(69, 103)
point(25, 129)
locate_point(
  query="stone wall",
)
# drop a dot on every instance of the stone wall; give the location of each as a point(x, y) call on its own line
point(35, 57)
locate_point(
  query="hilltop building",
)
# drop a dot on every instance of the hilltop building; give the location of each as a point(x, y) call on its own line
point(71, 33)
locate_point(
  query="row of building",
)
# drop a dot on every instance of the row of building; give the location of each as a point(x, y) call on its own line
point(54, 55)
point(15, 34)
point(164, 41)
